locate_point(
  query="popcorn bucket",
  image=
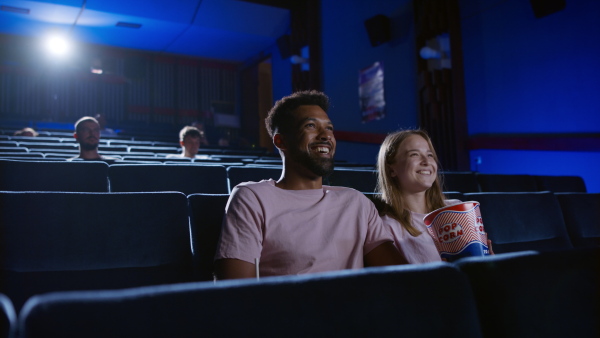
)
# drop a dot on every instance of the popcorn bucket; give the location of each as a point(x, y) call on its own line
point(457, 231)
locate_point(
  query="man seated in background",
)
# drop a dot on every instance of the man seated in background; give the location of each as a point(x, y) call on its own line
point(87, 134)
point(297, 225)
point(30, 132)
point(189, 139)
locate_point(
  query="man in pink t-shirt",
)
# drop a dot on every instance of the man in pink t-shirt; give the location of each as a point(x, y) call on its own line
point(297, 225)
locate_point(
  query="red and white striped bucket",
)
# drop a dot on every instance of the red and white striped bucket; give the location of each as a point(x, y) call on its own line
point(457, 231)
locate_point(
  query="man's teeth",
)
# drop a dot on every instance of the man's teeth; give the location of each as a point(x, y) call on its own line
point(424, 172)
point(323, 150)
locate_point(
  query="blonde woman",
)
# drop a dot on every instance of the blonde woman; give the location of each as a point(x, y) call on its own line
point(410, 187)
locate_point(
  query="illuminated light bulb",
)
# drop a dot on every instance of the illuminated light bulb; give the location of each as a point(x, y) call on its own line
point(57, 45)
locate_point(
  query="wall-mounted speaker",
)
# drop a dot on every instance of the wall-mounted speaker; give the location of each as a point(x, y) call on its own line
point(378, 29)
point(542, 8)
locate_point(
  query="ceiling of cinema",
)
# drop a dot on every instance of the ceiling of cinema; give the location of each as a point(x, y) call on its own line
point(227, 30)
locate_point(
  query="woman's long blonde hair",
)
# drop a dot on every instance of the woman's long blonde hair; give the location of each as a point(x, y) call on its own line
point(393, 204)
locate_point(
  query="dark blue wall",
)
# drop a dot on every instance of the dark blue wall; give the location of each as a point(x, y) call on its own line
point(346, 50)
point(522, 75)
point(532, 75)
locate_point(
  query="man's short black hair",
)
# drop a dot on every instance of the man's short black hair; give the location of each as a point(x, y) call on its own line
point(84, 119)
point(189, 131)
point(279, 119)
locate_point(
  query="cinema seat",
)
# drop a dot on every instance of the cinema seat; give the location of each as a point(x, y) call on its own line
point(8, 318)
point(83, 176)
point(188, 179)
point(526, 294)
point(239, 174)
point(522, 221)
point(581, 212)
point(52, 241)
point(35, 146)
point(506, 183)
point(359, 179)
point(20, 156)
point(463, 181)
point(454, 195)
point(561, 183)
point(428, 300)
point(206, 215)
point(14, 150)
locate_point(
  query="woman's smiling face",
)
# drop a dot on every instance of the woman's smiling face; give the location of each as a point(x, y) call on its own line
point(415, 165)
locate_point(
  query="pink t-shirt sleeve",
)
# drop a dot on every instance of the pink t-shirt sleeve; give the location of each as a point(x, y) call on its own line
point(241, 232)
point(377, 233)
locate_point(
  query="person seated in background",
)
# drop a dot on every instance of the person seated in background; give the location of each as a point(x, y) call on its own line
point(410, 187)
point(189, 139)
point(26, 132)
point(297, 225)
point(87, 134)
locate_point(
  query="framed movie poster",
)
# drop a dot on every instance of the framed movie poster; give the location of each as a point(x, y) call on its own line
point(370, 93)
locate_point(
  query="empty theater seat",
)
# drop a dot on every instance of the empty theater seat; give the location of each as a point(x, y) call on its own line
point(527, 294)
point(463, 181)
point(561, 183)
point(359, 179)
point(522, 221)
point(454, 195)
point(53, 241)
point(238, 174)
point(8, 317)
point(206, 216)
point(506, 183)
point(581, 212)
point(84, 176)
point(389, 301)
point(188, 179)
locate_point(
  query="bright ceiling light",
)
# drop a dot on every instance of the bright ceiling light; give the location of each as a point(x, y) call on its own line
point(58, 45)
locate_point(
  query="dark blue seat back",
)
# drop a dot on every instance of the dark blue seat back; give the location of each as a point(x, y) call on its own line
point(454, 195)
point(561, 183)
point(72, 241)
point(82, 176)
point(237, 175)
point(188, 179)
point(429, 300)
point(8, 318)
point(525, 294)
point(462, 181)
point(581, 212)
point(506, 183)
point(522, 221)
point(206, 216)
point(360, 179)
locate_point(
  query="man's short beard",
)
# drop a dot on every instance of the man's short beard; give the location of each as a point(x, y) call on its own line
point(88, 146)
point(317, 165)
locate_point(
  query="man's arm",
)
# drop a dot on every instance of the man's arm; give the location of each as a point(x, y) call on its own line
point(230, 268)
point(240, 229)
point(384, 254)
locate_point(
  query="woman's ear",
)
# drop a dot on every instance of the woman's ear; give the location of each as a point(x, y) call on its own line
point(278, 141)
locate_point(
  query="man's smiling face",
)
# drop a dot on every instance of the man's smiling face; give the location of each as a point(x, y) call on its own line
point(312, 143)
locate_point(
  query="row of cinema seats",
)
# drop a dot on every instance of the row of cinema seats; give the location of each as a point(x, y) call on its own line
point(467, 182)
point(125, 151)
point(524, 294)
point(219, 178)
point(52, 241)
